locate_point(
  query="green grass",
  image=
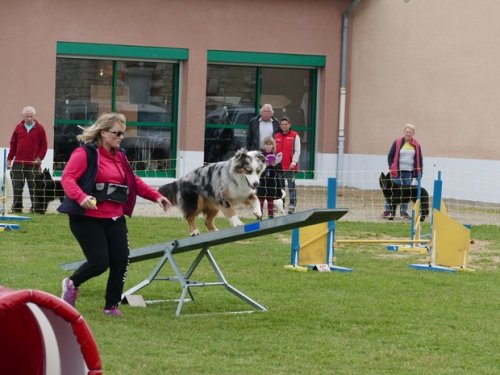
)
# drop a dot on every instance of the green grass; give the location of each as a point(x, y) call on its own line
point(383, 318)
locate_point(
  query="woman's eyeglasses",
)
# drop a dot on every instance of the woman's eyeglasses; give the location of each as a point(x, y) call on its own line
point(118, 133)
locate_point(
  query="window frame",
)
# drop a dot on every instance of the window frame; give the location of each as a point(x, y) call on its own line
point(117, 53)
point(262, 60)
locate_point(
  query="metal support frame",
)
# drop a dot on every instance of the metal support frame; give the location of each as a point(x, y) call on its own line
point(185, 279)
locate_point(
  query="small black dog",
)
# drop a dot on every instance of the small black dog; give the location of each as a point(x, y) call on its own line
point(397, 194)
point(46, 190)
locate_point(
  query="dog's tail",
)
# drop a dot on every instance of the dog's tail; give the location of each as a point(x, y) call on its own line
point(169, 191)
point(183, 194)
point(424, 200)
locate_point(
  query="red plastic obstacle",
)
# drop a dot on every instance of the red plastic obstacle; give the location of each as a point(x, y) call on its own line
point(41, 334)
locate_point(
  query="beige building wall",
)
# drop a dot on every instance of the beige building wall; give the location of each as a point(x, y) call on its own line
point(32, 29)
point(432, 63)
point(427, 62)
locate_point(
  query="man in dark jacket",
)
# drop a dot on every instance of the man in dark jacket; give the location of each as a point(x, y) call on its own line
point(28, 146)
point(262, 126)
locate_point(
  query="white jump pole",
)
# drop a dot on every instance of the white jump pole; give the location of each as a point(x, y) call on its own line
point(3, 215)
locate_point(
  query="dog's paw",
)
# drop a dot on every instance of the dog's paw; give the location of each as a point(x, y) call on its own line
point(278, 207)
point(195, 232)
point(235, 221)
point(257, 212)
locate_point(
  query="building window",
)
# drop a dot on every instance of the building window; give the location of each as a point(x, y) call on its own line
point(145, 91)
point(230, 104)
point(235, 92)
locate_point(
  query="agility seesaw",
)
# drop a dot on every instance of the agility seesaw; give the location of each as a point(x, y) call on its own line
point(169, 250)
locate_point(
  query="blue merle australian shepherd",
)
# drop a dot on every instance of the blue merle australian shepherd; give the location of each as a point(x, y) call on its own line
point(218, 186)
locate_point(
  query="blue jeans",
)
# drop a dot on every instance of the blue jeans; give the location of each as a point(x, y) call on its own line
point(405, 179)
point(289, 176)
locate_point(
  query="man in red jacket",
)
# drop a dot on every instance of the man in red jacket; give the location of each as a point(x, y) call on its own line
point(28, 146)
point(288, 143)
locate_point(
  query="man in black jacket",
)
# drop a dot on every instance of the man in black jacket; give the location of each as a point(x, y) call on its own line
point(261, 127)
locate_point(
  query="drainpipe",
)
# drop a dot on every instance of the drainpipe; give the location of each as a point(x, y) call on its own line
point(343, 91)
